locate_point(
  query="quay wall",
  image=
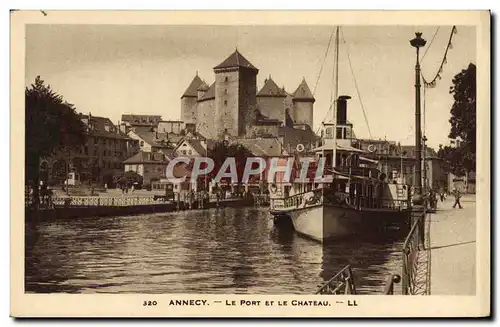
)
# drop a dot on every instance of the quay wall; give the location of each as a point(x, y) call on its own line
point(72, 212)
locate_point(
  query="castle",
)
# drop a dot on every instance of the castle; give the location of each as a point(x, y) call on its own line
point(232, 105)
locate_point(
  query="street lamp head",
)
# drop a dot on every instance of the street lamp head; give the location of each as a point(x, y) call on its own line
point(418, 41)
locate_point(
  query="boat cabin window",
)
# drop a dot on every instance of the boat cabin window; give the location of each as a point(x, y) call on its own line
point(340, 133)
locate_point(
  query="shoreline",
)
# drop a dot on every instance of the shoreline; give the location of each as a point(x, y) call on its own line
point(72, 212)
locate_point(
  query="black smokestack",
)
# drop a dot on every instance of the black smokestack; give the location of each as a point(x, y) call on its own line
point(342, 109)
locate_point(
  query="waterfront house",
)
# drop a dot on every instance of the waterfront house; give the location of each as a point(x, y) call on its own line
point(171, 126)
point(141, 120)
point(193, 147)
point(150, 165)
point(398, 161)
point(99, 160)
point(151, 141)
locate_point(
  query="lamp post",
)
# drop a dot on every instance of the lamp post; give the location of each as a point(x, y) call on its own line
point(417, 43)
point(424, 159)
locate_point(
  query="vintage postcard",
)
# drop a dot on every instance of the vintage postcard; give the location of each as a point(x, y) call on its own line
point(250, 164)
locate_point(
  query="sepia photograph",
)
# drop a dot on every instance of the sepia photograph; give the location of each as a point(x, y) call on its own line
point(316, 161)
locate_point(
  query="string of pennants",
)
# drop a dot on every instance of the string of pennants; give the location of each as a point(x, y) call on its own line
point(432, 83)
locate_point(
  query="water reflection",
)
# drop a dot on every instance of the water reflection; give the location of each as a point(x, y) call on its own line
point(205, 251)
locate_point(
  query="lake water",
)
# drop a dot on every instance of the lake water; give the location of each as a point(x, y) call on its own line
point(203, 251)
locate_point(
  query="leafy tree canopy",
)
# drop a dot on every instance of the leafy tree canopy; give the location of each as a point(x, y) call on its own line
point(50, 124)
point(222, 150)
point(461, 159)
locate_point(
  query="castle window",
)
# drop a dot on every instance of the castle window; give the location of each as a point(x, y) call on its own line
point(225, 102)
point(226, 79)
point(225, 91)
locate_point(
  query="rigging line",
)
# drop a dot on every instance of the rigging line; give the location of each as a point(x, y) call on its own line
point(336, 75)
point(430, 44)
point(323, 63)
point(356, 85)
point(333, 77)
point(443, 60)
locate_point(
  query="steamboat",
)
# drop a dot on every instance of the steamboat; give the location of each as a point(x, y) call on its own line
point(358, 199)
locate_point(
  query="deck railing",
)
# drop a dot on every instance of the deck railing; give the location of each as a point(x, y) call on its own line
point(359, 202)
point(341, 283)
point(411, 247)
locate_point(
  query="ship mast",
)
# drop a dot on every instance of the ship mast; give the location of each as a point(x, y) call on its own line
point(336, 94)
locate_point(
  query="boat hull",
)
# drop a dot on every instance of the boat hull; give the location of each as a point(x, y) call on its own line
point(330, 222)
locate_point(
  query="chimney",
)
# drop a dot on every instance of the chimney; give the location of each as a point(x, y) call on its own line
point(342, 109)
point(90, 126)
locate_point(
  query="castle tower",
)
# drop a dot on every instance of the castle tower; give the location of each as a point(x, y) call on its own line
point(235, 95)
point(303, 102)
point(270, 100)
point(188, 102)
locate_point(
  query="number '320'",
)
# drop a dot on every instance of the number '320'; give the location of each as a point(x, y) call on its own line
point(149, 303)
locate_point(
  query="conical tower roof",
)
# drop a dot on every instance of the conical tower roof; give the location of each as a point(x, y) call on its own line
point(303, 92)
point(192, 90)
point(271, 89)
point(236, 60)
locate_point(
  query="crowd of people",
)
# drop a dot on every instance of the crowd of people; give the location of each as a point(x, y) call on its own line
point(443, 193)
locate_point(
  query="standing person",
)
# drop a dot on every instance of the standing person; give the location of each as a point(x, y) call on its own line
point(441, 195)
point(457, 194)
point(217, 194)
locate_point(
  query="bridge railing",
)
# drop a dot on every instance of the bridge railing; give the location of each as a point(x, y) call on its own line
point(341, 283)
point(97, 201)
point(411, 247)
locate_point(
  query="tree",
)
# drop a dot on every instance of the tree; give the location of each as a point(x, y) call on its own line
point(129, 178)
point(222, 150)
point(461, 159)
point(51, 124)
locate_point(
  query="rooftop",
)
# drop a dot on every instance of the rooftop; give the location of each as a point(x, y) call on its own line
point(262, 147)
point(147, 157)
point(209, 94)
point(197, 145)
point(236, 60)
point(303, 92)
point(161, 140)
point(141, 119)
point(192, 90)
point(203, 86)
point(271, 89)
point(102, 127)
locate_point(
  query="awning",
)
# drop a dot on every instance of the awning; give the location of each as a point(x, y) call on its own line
point(339, 148)
point(368, 160)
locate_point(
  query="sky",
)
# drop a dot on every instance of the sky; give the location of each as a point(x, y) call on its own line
point(110, 70)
